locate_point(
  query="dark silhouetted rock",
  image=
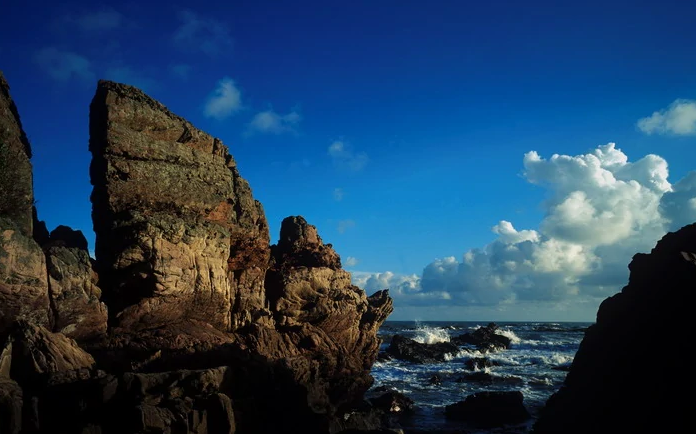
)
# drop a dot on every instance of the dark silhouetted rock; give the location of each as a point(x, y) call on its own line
point(11, 404)
point(404, 348)
point(490, 409)
point(484, 338)
point(607, 389)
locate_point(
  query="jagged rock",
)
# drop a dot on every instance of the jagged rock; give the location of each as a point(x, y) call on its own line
point(607, 389)
point(36, 353)
point(404, 348)
point(77, 311)
point(484, 338)
point(490, 409)
point(23, 280)
point(178, 233)
point(11, 403)
point(16, 181)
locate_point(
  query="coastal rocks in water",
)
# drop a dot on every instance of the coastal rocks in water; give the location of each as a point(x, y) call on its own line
point(490, 409)
point(476, 363)
point(487, 378)
point(78, 312)
point(178, 233)
point(404, 348)
point(393, 402)
point(485, 339)
point(606, 389)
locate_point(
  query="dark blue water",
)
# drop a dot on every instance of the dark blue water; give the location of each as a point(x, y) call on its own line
point(537, 348)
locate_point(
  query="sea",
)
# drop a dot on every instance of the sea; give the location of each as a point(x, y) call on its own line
point(536, 364)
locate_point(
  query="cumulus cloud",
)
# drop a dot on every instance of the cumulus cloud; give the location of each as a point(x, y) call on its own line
point(225, 101)
point(350, 262)
point(338, 194)
point(344, 156)
point(344, 225)
point(601, 210)
point(678, 119)
point(270, 122)
point(64, 65)
point(207, 35)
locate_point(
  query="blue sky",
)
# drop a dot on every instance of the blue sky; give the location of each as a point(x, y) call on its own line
point(401, 129)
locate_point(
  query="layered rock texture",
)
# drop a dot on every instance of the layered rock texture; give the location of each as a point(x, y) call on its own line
point(210, 328)
point(613, 385)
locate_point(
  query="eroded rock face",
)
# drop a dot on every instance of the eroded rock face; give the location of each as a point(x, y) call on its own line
point(16, 181)
point(23, 280)
point(75, 297)
point(23, 283)
point(179, 234)
point(611, 387)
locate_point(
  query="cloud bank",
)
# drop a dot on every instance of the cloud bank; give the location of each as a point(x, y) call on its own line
point(601, 210)
point(63, 65)
point(270, 122)
point(677, 119)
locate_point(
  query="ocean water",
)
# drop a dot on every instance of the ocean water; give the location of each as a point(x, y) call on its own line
point(528, 366)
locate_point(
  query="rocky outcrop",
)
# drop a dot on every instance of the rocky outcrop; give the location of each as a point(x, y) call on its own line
point(407, 349)
point(16, 179)
point(178, 233)
point(610, 388)
point(211, 329)
point(485, 339)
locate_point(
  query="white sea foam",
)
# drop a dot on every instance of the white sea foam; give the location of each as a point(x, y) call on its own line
point(509, 334)
point(431, 335)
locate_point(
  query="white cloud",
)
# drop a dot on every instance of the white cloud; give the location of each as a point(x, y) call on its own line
point(344, 156)
point(225, 101)
point(350, 262)
point(270, 122)
point(601, 210)
point(208, 35)
point(344, 225)
point(338, 194)
point(678, 119)
point(64, 65)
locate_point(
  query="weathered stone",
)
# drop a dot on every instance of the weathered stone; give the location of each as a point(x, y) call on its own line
point(16, 181)
point(179, 234)
point(23, 280)
point(77, 311)
point(36, 352)
point(607, 389)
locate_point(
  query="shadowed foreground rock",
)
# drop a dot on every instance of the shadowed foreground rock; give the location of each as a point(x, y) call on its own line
point(611, 388)
point(211, 329)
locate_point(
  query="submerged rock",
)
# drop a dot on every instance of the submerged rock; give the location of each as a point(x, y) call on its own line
point(490, 409)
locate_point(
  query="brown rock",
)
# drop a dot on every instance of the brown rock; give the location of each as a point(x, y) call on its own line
point(179, 234)
point(23, 280)
point(78, 313)
point(37, 352)
point(16, 182)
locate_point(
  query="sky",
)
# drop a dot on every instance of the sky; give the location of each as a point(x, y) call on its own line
point(498, 160)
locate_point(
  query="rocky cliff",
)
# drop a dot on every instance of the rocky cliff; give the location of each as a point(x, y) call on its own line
point(630, 374)
point(211, 329)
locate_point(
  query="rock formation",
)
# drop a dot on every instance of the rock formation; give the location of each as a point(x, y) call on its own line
point(211, 329)
point(179, 234)
point(23, 281)
point(611, 386)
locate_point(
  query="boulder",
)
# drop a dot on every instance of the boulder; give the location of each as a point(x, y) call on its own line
point(485, 339)
point(490, 409)
point(404, 348)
